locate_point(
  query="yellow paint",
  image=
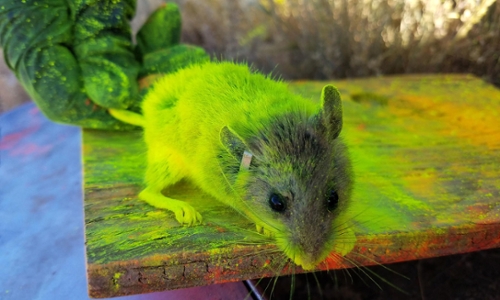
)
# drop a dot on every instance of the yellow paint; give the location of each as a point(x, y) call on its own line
point(116, 277)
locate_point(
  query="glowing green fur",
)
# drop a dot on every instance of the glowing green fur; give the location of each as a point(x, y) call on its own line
point(193, 125)
point(197, 122)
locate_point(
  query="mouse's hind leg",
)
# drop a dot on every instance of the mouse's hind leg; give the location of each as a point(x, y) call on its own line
point(160, 175)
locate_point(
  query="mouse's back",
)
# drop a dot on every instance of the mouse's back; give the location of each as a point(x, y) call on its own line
point(187, 110)
point(213, 95)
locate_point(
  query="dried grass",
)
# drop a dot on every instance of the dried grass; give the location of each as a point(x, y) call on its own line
point(322, 39)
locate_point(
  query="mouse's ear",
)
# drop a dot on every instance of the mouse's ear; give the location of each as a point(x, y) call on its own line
point(232, 142)
point(331, 110)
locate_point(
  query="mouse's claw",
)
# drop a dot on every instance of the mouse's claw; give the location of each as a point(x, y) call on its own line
point(186, 214)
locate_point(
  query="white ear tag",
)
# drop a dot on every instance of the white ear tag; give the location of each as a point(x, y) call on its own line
point(246, 160)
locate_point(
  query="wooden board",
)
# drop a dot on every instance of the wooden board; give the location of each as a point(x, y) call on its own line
point(426, 153)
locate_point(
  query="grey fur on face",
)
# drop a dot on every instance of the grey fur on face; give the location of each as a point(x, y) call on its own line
point(301, 160)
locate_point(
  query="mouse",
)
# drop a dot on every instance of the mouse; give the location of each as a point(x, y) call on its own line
point(244, 138)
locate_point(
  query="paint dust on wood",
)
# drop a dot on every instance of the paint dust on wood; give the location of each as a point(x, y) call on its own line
point(426, 155)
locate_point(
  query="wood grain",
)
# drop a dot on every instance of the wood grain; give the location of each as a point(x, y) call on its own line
point(426, 153)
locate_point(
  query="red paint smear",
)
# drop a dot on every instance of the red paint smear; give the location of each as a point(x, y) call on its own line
point(220, 229)
point(30, 149)
point(334, 262)
point(220, 274)
point(361, 126)
point(34, 111)
point(478, 209)
point(10, 140)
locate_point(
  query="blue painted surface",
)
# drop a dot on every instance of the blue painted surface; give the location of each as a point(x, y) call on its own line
point(41, 214)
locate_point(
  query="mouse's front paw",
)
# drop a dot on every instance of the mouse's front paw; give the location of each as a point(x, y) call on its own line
point(185, 213)
point(263, 230)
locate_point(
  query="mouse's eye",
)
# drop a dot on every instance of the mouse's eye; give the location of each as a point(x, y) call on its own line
point(277, 202)
point(333, 200)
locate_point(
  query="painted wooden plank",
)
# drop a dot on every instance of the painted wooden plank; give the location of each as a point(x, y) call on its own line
point(426, 151)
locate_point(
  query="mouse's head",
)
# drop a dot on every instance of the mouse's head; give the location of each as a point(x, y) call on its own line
point(298, 179)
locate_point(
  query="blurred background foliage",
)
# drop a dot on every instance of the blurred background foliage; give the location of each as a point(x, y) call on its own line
point(332, 39)
point(323, 39)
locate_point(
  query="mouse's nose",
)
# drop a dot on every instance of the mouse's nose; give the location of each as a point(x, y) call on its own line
point(305, 261)
point(304, 254)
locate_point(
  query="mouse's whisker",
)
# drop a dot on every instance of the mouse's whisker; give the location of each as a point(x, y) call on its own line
point(263, 252)
point(368, 272)
point(308, 287)
point(344, 262)
point(260, 280)
point(318, 285)
point(277, 272)
point(292, 286)
point(358, 270)
point(274, 281)
point(333, 275)
point(346, 271)
point(379, 264)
